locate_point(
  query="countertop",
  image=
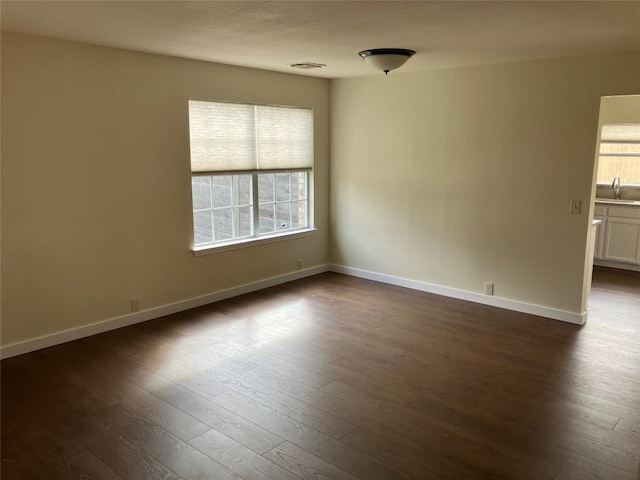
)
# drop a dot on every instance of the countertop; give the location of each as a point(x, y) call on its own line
point(611, 201)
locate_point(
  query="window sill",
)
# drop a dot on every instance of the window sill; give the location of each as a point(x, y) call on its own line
point(252, 242)
point(622, 185)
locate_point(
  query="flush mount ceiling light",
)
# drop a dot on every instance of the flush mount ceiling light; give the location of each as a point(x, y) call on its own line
point(386, 59)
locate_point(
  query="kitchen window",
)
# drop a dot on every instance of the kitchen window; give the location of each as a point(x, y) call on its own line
point(619, 154)
point(251, 167)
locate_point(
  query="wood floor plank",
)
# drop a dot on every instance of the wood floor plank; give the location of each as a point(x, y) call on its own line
point(387, 424)
point(630, 428)
point(157, 410)
point(591, 471)
point(526, 427)
point(464, 433)
point(413, 456)
point(593, 401)
point(605, 387)
point(177, 454)
point(240, 459)
point(304, 464)
point(18, 438)
point(594, 449)
point(126, 381)
point(201, 385)
point(252, 435)
point(284, 365)
point(411, 385)
point(559, 409)
point(226, 380)
point(127, 460)
point(293, 408)
point(306, 437)
point(84, 465)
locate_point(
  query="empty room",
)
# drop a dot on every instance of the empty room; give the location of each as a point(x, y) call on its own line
point(293, 240)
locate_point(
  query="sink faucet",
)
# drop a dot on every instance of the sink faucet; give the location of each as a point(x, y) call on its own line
point(616, 186)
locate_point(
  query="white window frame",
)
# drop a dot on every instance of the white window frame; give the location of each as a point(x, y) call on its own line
point(630, 140)
point(256, 238)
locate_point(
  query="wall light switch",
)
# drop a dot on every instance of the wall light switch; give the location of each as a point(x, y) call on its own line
point(576, 206)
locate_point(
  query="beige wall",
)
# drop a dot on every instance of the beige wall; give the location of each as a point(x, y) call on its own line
point(620, 109)
point(463, 176)
point(96, 183)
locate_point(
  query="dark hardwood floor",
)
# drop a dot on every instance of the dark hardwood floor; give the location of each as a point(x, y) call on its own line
point(333, 377)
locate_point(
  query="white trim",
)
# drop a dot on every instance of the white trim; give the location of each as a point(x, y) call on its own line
point(619, 265)
point(253, 241)
point(539, 310)
point(130, 319)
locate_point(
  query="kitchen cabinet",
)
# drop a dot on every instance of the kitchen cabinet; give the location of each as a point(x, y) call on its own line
point(600, 213)
point(618, 237)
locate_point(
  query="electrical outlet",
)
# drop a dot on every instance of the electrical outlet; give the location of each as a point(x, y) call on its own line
point(135, 305)
point(488, 288)
point(299, 264)
point(575, 207)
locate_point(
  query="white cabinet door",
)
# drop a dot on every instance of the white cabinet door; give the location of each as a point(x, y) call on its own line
point(623, 240)
point(598, 252)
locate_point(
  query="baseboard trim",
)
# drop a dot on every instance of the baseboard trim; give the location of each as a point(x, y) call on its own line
point(539, 310)
point(130, 319)
point(618, 265)
point(65, 336)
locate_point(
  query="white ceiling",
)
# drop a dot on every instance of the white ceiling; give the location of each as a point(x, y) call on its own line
point(274, 34)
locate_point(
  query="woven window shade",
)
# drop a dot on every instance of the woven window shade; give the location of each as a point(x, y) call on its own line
point(229, 137)
point(624, 132)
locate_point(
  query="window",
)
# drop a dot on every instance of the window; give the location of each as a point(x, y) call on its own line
point(620, 154)
point(250, 169)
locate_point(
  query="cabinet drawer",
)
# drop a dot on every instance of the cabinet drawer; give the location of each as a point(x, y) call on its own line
point(600, 210)
point(623, 240)
point(624, 212)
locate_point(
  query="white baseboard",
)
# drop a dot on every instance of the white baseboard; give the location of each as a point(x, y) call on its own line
point(618, 265)
point(130, 319)
point(539, 310)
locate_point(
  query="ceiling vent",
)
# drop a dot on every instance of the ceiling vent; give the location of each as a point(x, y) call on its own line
point(307, 65)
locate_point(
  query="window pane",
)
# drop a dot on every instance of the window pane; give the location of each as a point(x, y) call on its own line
point(223, 224)
point(620, 154)
point(202, 227)
point(622, 132)
point(221, 190)
point(299, 214)
point(282, 187)
point(283, 216)
point(298, 185)
point(242, 186)
point(265, 188)
point(224, 210)
point(267, 217)
point(627, 168)
point(244, 222)
point(201, 192)
point(621, 149)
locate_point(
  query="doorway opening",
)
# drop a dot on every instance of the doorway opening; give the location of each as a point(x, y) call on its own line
point(614, 237)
